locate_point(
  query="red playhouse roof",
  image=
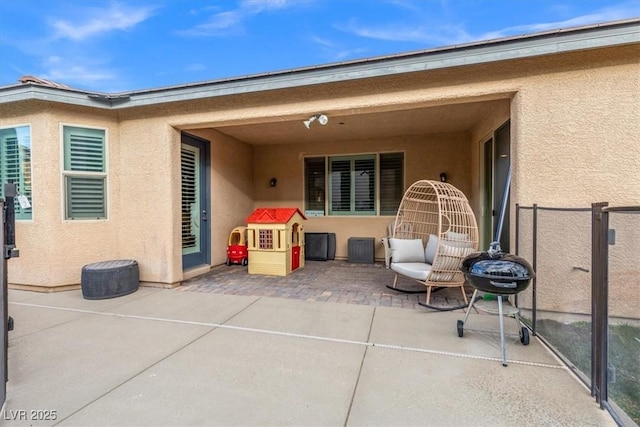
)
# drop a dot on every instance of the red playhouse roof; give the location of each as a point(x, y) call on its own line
point(273, 215)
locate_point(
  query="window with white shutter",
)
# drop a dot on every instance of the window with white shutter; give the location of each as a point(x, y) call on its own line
point(370, 184)
point(85, 174)
point(15, 165)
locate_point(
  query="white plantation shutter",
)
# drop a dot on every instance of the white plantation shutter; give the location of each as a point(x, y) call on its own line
point(352, 185)
point(367, 184)
point(364, 185)
point(85, 173)
point(190, 204)
point(340, 172)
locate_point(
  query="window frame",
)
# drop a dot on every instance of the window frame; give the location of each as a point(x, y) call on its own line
point(67, 173)
point(327, 209)
point(353, 192)
point(20, 214)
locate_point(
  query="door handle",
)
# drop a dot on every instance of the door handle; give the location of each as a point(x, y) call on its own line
point(204, 215)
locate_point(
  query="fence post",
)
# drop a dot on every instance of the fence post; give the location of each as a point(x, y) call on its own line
point(534, 262)
point(599, 309)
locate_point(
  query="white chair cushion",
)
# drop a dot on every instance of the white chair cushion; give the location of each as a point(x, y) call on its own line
point(413, 270)
point(430, 250)
point(406, 250)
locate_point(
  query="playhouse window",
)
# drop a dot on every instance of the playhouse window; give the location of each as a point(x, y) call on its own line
point(85, 176)
point(266, 239)
point(370, 184)
point(15, 164)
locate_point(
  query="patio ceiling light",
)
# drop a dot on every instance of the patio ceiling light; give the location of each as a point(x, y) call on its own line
point(321, 118)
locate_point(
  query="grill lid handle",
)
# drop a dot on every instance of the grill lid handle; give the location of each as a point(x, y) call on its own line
point(507, 285)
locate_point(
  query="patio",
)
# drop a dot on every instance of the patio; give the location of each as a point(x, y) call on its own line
point(323, 281)
point(196, 355)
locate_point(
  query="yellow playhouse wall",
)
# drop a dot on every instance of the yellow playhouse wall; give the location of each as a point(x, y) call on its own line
point(276, 261)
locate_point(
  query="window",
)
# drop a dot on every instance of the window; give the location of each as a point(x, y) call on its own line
point(266, 239)
point(15, 164)
point(314, 185)
point(357, 185)
point(391, 182)
point(84, 173)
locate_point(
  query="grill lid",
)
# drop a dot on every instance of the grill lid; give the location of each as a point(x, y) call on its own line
point(497, 266)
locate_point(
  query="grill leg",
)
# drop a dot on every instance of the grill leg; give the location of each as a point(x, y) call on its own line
point(470, 306)
point(464, 295)
point(504, 351)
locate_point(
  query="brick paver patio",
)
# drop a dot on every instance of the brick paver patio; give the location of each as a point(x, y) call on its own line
point(329, 281)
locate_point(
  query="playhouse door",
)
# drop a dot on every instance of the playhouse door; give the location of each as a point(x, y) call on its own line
point(195, 201)
point(295, 247)
point(295, 257)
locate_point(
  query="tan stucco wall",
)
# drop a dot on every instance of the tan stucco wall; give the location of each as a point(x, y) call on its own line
point(53, 250)
point(575, 119)
point(143, 198)
point(575, 142)
point(425, 157)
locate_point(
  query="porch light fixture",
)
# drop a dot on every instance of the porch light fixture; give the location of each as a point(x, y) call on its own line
point(321, 118)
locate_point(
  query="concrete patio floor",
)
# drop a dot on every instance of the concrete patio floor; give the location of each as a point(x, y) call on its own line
point(171, 357)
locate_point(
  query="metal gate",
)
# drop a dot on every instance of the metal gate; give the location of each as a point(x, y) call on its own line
point(4, 317)
point(7, 239)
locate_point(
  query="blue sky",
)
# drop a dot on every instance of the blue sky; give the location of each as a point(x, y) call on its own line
point(114, 46)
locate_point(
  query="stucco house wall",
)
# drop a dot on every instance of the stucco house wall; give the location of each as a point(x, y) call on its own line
point(54, 243)
point(574, 118)
point(425, 157)
point(574, 142)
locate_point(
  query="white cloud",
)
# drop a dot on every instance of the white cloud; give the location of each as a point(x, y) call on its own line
point(257, 6)
point(457, 34)
point(404, 33)
point(196, 67)
point(613, 13)
point(230, 21)
point(97, 21)
point(217, 24)
point(76, 71)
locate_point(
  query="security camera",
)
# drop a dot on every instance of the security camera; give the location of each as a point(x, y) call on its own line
point(323, 119)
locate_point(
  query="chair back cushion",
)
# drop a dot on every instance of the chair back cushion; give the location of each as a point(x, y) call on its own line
point(406, 250)
point(430, 250)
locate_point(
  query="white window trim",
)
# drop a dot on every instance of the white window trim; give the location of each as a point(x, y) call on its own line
point(64, 173)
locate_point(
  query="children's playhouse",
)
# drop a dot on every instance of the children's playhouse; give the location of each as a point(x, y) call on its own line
point(275, 241)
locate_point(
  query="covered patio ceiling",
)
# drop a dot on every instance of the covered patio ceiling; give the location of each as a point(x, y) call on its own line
point(358, 125)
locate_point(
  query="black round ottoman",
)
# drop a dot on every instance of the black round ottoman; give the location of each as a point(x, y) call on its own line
point(108, 279)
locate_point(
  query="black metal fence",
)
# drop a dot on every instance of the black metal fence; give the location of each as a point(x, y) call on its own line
point(585, 300)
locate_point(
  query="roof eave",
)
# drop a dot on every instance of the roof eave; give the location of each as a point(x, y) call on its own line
point(510, 48)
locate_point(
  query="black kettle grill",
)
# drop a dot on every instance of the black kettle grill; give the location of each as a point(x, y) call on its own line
point(497, 272)
point(500, 274)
